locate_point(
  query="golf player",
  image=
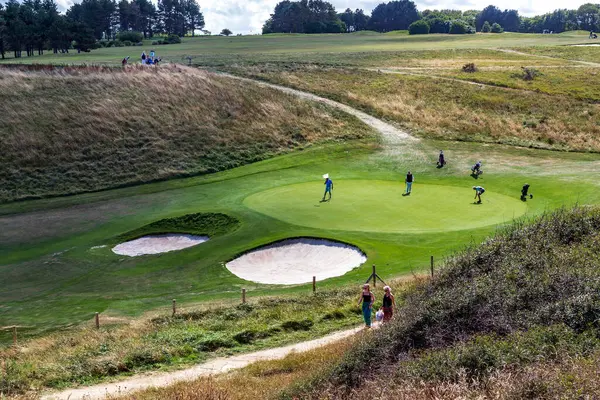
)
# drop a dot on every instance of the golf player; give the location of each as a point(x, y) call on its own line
point(478, 192)
point(328, 188)
point(409, 181)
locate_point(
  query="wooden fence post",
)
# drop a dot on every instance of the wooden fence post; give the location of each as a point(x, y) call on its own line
point(174, 307)
point(97, 320)
point(243, 296)
point(314, 284)
point(432, 266)
point(374, 277)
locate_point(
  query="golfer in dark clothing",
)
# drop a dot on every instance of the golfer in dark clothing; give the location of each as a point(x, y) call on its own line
point(409, 181)
point(524, 191)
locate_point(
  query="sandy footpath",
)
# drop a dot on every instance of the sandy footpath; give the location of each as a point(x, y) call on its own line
point(216, 366)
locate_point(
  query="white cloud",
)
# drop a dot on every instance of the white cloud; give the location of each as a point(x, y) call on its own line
point(248, 16)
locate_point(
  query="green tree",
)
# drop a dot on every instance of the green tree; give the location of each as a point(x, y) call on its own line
point(193, 17)
point(420, 27)
point(486, 28)
point(496, 28)
point(2, 32)
point(395, 15)
point(458, 28)
point(226, 32)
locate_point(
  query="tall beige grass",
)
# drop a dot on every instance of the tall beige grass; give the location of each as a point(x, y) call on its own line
point(74, 131)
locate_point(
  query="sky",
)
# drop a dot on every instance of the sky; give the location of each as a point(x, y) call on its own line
point(248, 16)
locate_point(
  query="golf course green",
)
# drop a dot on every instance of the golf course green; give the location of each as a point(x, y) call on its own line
point(382, 206)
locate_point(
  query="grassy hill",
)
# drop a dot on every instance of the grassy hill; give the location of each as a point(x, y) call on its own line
point(524, 300)
point(65, 132)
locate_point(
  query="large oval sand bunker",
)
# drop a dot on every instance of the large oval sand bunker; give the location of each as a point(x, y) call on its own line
point(156, 244)
point(296, 261)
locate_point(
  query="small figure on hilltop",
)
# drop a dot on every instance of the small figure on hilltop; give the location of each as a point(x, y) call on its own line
point(328, 187)
point(441, 159)
point(593, 35)
point(125, 61)
point(389, 304)
point(409, 181)
point(525, 191)
point(144, 57)
point(152, 55)
point(478, 192)
point(367, 298)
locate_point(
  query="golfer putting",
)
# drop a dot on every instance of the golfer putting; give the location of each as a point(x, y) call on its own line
point(478, 192)
point(328, 187)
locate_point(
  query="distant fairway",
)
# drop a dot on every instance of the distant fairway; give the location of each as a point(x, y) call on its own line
point(379, 206)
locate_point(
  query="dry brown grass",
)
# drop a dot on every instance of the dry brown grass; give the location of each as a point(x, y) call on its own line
point(261, 380)
point(67, 132)
point(451, 110)
point(577, 378)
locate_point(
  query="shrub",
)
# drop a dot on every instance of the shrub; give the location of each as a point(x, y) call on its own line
point(486, 28)
point(245, 337)
point(496, 28)
point(155, 43)
point(527, 74)
point(420, 27)
point(139, 44)
point(130, 36)
point(127, 43)
point(302, 325)
point(119, 44)
point(470, 67)
point(173, 39)
point(458, 28)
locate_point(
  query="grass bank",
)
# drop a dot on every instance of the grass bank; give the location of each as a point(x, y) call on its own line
point(441, 109)
point(66, 132)
point(161, 342)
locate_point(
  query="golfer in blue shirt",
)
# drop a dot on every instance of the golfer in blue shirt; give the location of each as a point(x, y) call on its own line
point(328, 188)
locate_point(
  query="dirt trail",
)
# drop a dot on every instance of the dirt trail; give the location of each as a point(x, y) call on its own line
point(588, 63)
point(216, 366)
point(387, 130)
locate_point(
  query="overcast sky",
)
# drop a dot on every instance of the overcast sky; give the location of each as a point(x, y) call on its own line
point(248, 16)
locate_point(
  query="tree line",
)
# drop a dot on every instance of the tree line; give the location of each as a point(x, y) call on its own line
point(34, 26)
point(319, 16)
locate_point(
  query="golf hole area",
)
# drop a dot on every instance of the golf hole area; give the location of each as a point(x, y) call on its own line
point(295, 261)
point(156, 244)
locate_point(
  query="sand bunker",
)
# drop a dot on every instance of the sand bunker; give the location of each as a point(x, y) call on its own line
point(297, 261)
point(587, 45)
point(155, 244)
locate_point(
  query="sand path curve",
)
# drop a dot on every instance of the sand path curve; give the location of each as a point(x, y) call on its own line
point(216, 366)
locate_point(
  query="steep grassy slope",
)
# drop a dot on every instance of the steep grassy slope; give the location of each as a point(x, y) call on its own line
point(85, 130)
point(529, 297)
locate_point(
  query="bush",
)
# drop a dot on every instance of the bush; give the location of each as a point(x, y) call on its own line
point(458, 28)
point(303, 325)
point(527, 74)
point(470, 67)
point(173, 39)
point(486, 28)
point(420, 27)
point(139, 44)
point(119, 44)
point(496, 28)
point(127, 43)
point(130, 36)
point(155, 43)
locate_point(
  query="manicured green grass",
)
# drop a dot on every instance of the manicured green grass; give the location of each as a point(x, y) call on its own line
point(52, 277)
point(382, 206)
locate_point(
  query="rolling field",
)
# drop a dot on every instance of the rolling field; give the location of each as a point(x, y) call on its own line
point(255, 157)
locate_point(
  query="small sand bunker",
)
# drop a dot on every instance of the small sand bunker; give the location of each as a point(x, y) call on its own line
point(155, 244)
point(297, 261)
